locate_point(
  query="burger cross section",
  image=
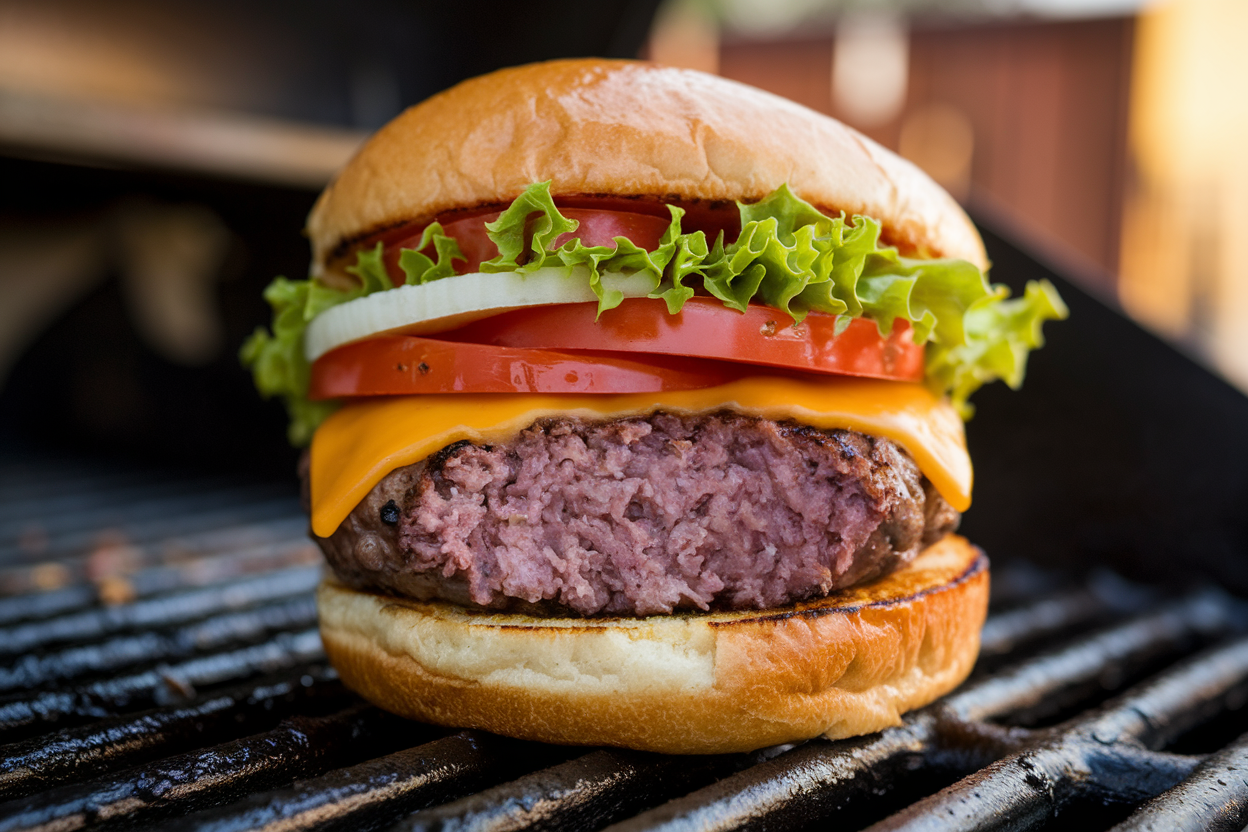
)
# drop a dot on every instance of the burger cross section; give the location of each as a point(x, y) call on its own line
point(575, 414)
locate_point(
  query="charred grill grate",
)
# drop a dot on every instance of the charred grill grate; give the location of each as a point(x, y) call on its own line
point(159, 667)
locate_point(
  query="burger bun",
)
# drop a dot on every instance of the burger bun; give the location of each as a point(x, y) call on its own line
point(716, 682)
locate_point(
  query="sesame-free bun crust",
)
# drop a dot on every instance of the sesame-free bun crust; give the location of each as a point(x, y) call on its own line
point(841, 666)
point(624, 128)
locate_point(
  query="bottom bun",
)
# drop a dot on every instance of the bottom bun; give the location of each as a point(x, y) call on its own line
point(848, 664)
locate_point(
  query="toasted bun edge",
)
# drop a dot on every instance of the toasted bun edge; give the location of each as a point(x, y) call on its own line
point(845, 665)
point(626, 128)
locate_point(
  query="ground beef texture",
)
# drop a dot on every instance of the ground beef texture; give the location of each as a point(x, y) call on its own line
point(643, 516)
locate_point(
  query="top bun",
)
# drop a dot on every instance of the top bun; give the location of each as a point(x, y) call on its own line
point(625, 128)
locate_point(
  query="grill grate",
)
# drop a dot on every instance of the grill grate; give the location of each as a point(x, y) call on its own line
point(159, 667)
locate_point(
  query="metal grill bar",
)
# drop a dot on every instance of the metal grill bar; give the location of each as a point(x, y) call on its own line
point(238, 568)
point(299, 747)
point(815, 780)
point(20, 718)
point(1172, 703)
point(1101, 753)
point(41, 604)
point(159, 612)
point(168, 507)
point(215, 633)
point(1005, 632)
point(378, 792)
point(74, 755)
point(154, 568)
point(586, 793)
point(820, 778)
point(236, 562)
point(1213, 799)
point(1042, 685)
point(96, 507)
point(176, 521)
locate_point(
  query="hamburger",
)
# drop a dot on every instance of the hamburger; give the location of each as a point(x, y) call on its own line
point(635, 404)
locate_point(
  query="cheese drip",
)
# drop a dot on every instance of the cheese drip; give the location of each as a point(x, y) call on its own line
point(364, 441)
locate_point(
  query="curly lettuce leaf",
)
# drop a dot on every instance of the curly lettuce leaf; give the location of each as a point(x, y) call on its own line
point(788, 255)
point(526, 232)
point(999, 335)
point(419, 268)
point(791, 256)
point(276, 356)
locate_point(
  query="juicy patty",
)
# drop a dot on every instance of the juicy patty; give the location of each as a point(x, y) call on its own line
point(643, 515)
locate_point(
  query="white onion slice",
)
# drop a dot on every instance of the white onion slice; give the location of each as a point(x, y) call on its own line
point(455, 301)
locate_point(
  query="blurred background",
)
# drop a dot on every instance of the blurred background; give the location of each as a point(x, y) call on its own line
point(157, 160)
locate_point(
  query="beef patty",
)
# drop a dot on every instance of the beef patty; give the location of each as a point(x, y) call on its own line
point(639, 516)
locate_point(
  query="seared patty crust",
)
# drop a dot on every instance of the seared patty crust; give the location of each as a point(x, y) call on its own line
point(640, 516)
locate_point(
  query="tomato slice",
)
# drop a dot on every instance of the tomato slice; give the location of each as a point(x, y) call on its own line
point(406, 365)
point(700, 215)
point(705, 328)
point(598, 227)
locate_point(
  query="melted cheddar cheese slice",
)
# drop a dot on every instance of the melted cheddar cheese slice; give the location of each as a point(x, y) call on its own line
point(364, 441)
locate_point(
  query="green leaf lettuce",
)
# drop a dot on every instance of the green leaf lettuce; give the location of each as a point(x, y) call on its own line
point(276, 357)
point(788, 255)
